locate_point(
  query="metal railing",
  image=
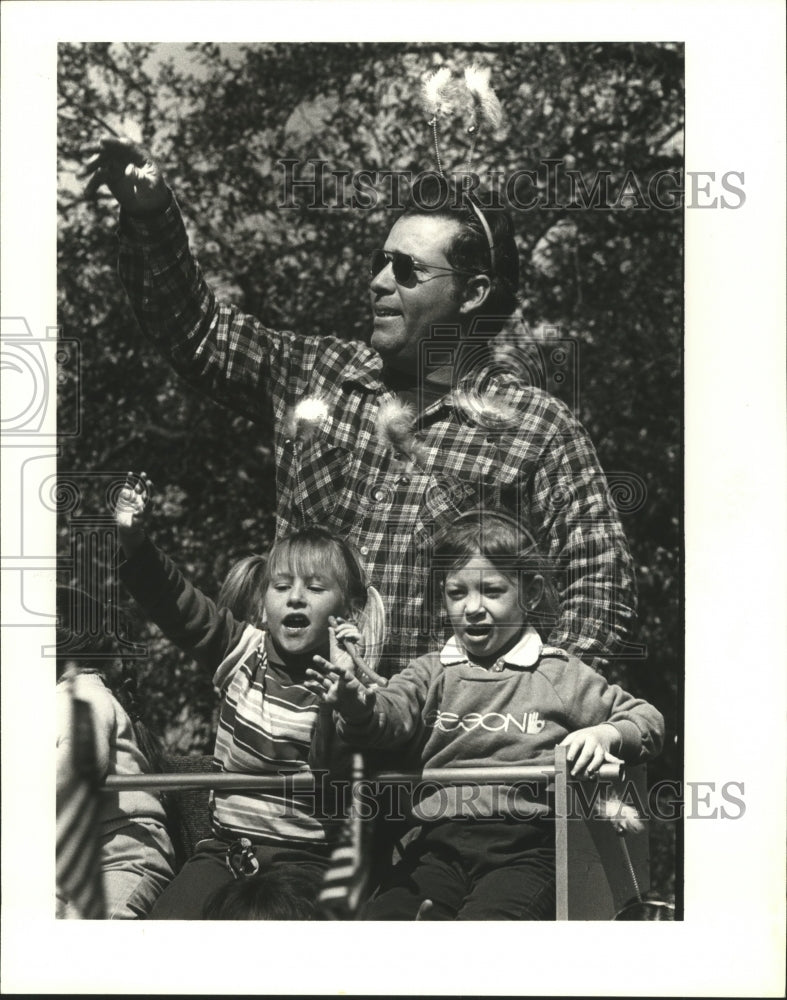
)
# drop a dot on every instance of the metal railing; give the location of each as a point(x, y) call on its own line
point(305, 782)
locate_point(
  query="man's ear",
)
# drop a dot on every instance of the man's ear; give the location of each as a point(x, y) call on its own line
point(476, 292)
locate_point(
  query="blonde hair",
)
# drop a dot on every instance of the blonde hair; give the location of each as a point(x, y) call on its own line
point(243, 589)
point(308, 551)
point(315, 550)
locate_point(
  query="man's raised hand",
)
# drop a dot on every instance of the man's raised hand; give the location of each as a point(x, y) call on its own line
point(130, 174)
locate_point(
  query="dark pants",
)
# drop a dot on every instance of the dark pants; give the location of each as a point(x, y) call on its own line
point(206, 871)
point(500, 869)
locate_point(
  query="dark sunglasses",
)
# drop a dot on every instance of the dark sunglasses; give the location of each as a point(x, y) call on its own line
point(404, 266)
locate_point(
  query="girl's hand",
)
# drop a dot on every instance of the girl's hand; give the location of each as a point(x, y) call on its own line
point(347, 638)
point(131, 510)
point(344, 631)
point(337, 685)
point(588, 749)
point(337, 651)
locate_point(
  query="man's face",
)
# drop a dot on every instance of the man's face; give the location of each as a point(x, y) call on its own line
point(404, 314)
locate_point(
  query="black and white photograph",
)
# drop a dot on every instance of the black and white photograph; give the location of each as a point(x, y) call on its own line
point(383, 507)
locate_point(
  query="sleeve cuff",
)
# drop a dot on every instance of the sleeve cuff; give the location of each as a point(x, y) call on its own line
point(150, 229)
point(630, 740)
point(350, 731)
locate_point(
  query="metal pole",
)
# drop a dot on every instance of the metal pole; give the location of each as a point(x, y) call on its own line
point(305, 782)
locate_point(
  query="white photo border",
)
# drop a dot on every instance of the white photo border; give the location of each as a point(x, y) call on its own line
point(731, 940)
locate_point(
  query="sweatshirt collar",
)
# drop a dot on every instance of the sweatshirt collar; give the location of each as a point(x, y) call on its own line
point(526, 653)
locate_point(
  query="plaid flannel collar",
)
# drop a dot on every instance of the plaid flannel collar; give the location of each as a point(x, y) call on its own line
point(367, 368)
point(365, 371)
point(366, 374)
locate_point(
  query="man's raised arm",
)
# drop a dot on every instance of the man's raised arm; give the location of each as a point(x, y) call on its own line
point(223, 352)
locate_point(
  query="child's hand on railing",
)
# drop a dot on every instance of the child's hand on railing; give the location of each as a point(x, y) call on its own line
point(587, 749)
point(131, 510)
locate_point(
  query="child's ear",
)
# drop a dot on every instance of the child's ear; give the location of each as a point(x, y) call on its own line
point(534, 591)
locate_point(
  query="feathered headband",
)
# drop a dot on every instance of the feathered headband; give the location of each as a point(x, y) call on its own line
point(443, 95)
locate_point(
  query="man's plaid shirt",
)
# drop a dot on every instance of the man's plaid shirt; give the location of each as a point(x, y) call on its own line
point(541, 467)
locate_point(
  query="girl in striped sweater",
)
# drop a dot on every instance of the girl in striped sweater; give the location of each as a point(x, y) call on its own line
point(268, 716)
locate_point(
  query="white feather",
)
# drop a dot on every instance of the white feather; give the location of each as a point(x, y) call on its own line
point(306, 417)
point(623, 817)
point(395, 423)
point(488, 107)
point(436, 93)
point(486, 410)
point(311, 410)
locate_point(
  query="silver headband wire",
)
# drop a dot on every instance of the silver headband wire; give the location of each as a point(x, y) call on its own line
point(485, 225)
point(439, 92)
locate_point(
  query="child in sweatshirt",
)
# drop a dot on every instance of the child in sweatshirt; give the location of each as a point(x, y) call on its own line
point(493, 695)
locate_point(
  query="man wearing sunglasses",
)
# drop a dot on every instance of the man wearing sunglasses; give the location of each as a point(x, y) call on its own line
point(451, 270)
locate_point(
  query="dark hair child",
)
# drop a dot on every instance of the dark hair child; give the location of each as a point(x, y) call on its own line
point(494, 695)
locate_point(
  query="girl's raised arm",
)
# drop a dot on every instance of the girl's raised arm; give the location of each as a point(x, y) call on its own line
point(184, 614)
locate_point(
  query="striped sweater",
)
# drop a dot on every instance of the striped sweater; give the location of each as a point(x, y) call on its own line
point(267, 717)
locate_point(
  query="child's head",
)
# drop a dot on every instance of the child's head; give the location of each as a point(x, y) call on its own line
point(491, 577)
point(284, 892)
point(243, 590)
point(310, 575)
point(88, 640)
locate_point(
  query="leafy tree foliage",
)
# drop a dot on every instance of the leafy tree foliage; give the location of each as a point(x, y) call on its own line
point(219, 119)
